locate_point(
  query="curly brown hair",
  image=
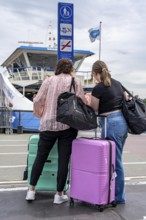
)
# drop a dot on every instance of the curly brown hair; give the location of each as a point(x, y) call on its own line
point(64, 66)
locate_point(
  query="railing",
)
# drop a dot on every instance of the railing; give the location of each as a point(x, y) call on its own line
point(6, 120)
point(27, 73)
point(38, 73)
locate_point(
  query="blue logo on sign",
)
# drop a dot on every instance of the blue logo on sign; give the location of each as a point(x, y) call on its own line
point(65, 12)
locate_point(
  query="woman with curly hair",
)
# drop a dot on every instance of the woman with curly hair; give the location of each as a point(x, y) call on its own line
point(45, 107)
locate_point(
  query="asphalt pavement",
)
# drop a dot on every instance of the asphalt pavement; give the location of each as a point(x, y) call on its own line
point(13, 160)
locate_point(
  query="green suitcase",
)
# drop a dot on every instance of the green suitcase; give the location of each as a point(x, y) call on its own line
point(47, 180)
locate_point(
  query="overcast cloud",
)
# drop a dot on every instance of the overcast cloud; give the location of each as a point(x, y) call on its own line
point(123, 45)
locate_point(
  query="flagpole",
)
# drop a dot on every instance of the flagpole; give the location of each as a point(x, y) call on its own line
point(100, 40)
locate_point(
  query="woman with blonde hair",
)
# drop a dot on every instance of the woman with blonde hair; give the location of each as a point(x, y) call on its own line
point(107, 98)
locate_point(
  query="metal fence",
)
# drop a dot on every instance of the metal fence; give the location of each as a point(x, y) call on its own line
point(6, 120)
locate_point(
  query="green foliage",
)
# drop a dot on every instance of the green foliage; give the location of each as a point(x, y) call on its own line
point(144, 101)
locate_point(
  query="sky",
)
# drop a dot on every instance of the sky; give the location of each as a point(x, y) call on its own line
point(123, 33)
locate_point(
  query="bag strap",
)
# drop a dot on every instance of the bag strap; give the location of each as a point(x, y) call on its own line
point(72, 85)
point(129, 93)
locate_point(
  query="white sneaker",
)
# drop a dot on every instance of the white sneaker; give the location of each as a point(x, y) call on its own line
point(30, 196)
point(60, 199)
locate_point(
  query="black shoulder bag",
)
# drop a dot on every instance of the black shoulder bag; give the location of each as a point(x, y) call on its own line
point(72, 111)
point(134, 112)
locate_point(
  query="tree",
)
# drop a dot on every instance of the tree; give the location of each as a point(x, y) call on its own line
point(144, 101)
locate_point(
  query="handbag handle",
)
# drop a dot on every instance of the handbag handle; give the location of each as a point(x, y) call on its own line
point(72, 85)
point(129, 93)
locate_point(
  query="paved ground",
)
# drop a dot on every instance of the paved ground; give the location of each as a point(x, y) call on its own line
point(14, 207)
point(13, 157)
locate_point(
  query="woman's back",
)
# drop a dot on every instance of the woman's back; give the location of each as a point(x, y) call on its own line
point(110, 96)
point(45, 103)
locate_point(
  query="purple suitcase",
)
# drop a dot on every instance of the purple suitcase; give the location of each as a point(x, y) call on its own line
point(93, 172)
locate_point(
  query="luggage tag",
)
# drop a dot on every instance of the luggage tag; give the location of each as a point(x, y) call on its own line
point(114, 175)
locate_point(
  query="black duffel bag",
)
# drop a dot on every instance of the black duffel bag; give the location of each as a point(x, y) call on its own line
point(72, 111)
point(134, 112)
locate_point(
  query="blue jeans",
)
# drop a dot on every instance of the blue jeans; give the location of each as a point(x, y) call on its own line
point(117, 131)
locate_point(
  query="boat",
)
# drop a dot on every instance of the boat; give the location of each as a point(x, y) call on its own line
point(24, 71)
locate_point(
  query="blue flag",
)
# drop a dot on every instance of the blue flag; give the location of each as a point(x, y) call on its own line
point(94, 34)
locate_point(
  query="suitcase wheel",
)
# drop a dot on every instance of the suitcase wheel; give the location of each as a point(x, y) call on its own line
point(100, 208)
point(114, 204)
point(71, 202)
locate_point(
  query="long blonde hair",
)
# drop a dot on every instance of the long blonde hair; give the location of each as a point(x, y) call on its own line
point(101, 68)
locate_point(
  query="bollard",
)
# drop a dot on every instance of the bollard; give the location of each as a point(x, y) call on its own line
point(19, 129)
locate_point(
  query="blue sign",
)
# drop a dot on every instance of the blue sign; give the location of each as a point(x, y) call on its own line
point(65, 31)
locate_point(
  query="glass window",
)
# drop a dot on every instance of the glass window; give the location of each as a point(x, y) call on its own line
point(42, 60)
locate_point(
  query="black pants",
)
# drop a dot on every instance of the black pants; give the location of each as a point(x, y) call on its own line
point(46, 141)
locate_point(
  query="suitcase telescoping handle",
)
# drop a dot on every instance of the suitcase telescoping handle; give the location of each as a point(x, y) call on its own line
point(105, 125)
